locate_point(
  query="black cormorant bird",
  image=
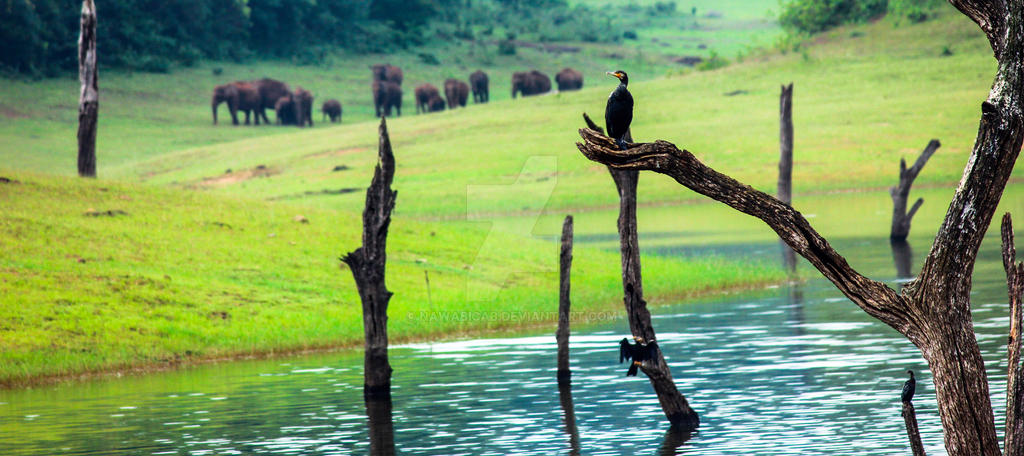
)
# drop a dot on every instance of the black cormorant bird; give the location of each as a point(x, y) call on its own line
point(618, 114)
point(908, 388)
point(639, 352)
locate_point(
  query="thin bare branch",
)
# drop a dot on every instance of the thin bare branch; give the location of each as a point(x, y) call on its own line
point(1014, 435)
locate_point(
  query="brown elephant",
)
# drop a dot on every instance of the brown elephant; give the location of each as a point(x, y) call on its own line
point(387, 95)
point(478, 82)
point(239, 96)
point(387, 72)
point(270, 91)
point(456, 92)
point(424, 93)
point(436, 103)
point(332, 108)
point(530, 83)
point(569, 79)
point(285, 109)
point(303, 104)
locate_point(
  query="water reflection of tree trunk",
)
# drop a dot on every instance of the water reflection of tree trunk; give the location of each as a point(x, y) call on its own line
point(788, 257)
point(796, 304)
point(903, 256)
point(382, 429)
point(569, 415)
point(674, 439)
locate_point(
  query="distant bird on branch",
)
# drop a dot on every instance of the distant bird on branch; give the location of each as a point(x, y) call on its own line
point(638, 352)
point(908, 388)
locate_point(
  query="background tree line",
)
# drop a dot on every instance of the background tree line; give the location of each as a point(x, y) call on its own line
point(38, 37)
point(813, 16)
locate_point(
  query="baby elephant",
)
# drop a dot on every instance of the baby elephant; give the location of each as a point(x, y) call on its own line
point(332, 109)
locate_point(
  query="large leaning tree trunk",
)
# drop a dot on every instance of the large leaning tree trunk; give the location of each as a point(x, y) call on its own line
point(932, 311)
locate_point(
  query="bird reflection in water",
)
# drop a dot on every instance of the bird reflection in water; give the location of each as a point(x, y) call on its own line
point(382, 428)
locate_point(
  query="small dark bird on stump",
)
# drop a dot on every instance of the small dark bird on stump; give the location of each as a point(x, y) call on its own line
point(618, 114)
point(908, 388)
point(639, 352)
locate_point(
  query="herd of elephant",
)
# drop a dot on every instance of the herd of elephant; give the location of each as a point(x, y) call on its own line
point(295, 107)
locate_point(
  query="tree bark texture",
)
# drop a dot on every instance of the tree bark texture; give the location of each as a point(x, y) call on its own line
point(932, 311)
point(1014, 433)
point(910, 419)
point(784, 186)
point(367, 264)
point(562, 335)
point(88, 99)
point(901, 193)
point(673, 403)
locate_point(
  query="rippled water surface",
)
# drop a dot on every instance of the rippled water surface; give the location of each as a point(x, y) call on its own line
point(795, 369)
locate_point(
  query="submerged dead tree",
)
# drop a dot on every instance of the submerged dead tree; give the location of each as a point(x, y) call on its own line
point(784, 186)
point(673, 403)
point(562, 335)
point(1014, 433)
point(367, 265)
point(913, 433)
point(933, 311)
point(89, 98)
point(901, 193)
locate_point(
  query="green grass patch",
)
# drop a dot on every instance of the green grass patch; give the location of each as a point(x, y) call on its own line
point(170, 276)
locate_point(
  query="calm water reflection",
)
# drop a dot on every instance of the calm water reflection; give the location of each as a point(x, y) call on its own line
point(786, 370)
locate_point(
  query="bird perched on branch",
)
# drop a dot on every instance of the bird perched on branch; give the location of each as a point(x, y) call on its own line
point(618, 114)
point(638, 352)
point(908, 388)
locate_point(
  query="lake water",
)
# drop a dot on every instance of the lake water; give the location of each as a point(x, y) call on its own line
point(794, 369)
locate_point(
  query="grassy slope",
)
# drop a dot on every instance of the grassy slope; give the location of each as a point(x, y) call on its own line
point(187, 275)
point(861, 103)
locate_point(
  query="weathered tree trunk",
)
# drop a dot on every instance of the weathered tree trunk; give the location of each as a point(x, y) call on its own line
point(932, 311)
point(569, 415)
point(901, 193)
point(1014, 434)
point(784, 186)
point(673, 403)
point(382, 427)
point(562, 335)
point(89, 98)
point(367, 264)
point(910, 419)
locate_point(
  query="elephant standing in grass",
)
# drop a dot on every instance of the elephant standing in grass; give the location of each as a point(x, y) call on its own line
point(569, 79)
point(332, 108)
point(387, 72)
point(456, 92)
point(270, 91)
point(425, 93)
point(239, 96)
point(387, 95)
point(303, 103)
point(478, 82)
point(285, 109)
point(436, 103)
point(530, 83)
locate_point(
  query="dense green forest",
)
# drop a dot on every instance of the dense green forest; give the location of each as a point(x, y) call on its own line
point(38, 37)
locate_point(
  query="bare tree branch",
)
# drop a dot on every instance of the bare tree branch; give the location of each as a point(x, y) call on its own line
point(900, 193)
point(874, 297)
point(1014, 434)
point(990, 15)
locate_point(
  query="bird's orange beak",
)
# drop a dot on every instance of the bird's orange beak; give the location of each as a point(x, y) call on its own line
point(616, 74)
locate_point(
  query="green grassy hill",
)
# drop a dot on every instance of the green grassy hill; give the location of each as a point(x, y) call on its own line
point(209, 260)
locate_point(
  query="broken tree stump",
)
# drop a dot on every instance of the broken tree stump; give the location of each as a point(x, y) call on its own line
point(367, 264)
point(784, 186)
point(89, 98)
point(1013, 444)
point(562, 335)
point(910, 419)
point(901, 193)
point(673, 403)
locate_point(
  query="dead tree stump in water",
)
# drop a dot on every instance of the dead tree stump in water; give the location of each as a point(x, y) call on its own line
point(367, 264)
point(910, 419)
point(901, 193)
point(562, 335)
point(673, 403)
point(784, 187)
point(1014, 434)
point(89, 98)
